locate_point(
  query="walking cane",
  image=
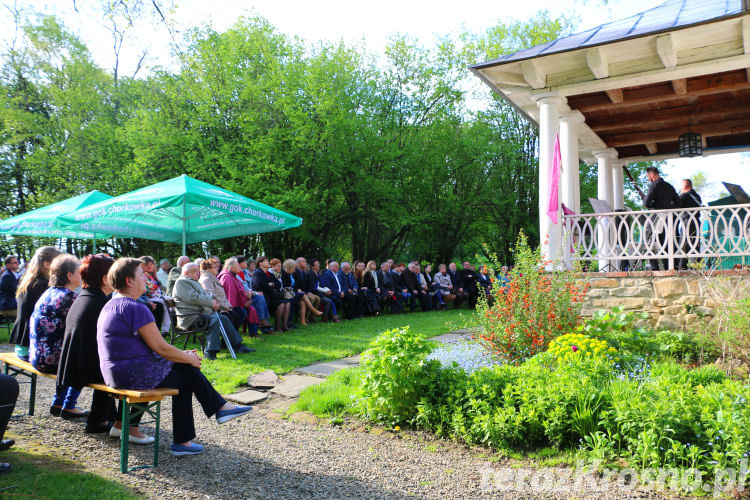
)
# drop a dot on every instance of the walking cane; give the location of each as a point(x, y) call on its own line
point(226, 337)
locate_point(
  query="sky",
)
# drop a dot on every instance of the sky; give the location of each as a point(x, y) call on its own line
point(367, 24)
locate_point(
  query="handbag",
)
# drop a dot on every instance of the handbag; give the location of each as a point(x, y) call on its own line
point(287, 293)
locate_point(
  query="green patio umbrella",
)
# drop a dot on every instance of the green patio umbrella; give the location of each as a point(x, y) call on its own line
point(180, 210)
point(45, 221)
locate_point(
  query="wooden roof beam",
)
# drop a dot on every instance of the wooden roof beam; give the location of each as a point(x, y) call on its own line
point(597, 63)
point(714, 129)
point(615, 95)
point(533, 75)
point(652, 148)
point(667, 50)
point(730, 108)
point(729, 63)
point(680, 86)
point(663, 93)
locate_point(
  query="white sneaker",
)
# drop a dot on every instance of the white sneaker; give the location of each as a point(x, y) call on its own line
point(117, 433)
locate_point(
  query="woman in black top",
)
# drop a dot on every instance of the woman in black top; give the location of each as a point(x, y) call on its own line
point(79, 359)
point(33, 284)
point(267, 283)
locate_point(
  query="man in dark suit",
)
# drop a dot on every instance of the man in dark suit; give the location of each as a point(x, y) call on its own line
point(458, 285)
point(329, 279)
point(8, 286)
point(312, 283)
point(411, 283)
point(661, 196)
point(689, 222)
point(350, 288)
point(469, 278)
point(388, 288)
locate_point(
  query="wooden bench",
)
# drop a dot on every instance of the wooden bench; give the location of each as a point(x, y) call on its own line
point(143, 401)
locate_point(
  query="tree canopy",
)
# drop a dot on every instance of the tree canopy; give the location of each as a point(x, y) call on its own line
point(406, 156)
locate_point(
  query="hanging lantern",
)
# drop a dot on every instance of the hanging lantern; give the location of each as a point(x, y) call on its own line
point(690, 145)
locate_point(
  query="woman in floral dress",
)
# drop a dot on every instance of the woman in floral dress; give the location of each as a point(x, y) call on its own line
point(47, 329)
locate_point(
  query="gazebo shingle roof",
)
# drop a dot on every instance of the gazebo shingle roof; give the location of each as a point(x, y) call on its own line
point(667, 16)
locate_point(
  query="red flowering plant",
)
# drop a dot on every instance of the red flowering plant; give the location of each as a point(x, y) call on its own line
point(530, 309)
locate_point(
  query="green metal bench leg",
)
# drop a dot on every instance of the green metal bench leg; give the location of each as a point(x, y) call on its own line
point(125, 436)
point(32, 394)
point(153, 409)
point(15, 372)
point(156, 433)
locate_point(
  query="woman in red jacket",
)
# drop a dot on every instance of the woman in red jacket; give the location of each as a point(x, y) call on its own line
point(237, 296)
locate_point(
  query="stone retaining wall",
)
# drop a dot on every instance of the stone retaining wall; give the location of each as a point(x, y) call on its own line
point(672, 299)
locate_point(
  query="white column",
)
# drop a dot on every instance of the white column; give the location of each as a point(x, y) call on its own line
point(605, 158)
point(618, 186)
point(571, 183)
point(549, 124)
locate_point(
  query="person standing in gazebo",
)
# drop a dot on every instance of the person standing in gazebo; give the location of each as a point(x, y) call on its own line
point(661, 196)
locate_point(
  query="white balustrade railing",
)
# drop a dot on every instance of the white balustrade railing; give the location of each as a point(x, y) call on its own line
point(627, 240)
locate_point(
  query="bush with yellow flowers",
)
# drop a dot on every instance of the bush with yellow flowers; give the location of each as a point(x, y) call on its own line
point(578, 347)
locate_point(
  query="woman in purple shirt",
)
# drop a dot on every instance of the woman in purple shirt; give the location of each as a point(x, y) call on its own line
point(134, 355)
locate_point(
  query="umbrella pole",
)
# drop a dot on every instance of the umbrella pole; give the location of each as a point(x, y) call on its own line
point(93, 245)
point(184, 226)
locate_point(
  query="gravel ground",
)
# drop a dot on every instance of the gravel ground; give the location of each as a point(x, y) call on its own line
point(264, 456)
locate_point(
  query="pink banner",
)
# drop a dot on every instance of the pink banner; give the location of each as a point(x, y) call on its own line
point(554, 182)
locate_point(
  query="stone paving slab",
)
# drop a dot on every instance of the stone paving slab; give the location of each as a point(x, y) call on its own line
point(247, 397)
point(324, 369)
point(264, 380)
point(292, 385)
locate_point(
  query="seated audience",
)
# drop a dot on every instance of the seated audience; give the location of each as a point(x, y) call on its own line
point(214, 287)
point(197, 309)
point(47, 329)
point(329, 280)
point(288, 288)
point(175, 273)
point(351, 289)
point(264, 281)
point(368, 292)
point(485, 283)
point(79, 358)
point(134, 355)
point(8, 287)
point(313, 282)
point(162, 275)
point(309, 301)
point(458, 286)
point(469, 279)
point(445, 285)
point(238, 297)
point(33, 284)
point(153, 297)
point(435, 298)
point(247, 266)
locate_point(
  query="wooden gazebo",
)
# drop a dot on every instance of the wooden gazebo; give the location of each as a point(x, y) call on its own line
point(626, 90)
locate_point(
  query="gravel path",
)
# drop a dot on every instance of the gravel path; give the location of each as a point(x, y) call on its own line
point(265, 456)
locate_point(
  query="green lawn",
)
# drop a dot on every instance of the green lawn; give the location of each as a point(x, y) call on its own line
point(37, 474)
point(317, 342)
point(321, 342)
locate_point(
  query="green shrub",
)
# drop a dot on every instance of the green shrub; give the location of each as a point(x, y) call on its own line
point(395, 376)
point(633, 341)
point(531, 310)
